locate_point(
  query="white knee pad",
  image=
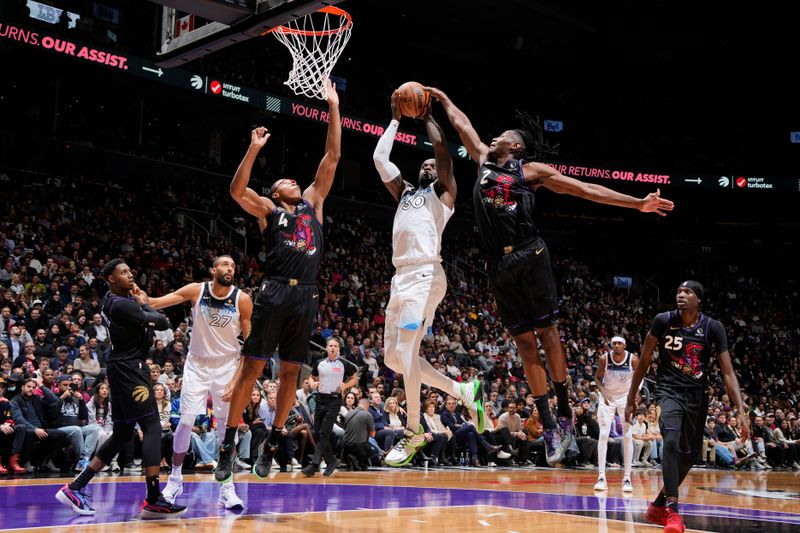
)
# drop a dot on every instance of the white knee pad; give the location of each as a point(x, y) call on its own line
point(183, 434)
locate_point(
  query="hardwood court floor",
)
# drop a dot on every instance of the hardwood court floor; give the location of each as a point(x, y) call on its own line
point(407, 501)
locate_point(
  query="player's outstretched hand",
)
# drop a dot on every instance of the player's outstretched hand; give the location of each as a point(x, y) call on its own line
point(653, 203)
point(438, 94)
point(259, 137)
point(330, 93)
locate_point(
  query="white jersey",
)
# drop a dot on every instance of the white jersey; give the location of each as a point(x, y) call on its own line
point(216, 325)
point(617, 379)
point(418, 226)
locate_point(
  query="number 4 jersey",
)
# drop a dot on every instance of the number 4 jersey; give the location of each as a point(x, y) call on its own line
point(216, 325)
point(685, 353)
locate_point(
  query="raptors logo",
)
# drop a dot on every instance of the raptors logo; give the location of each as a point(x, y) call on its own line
point(140, 394)
point(498, 195)
point(689, 363)
point(302, 239)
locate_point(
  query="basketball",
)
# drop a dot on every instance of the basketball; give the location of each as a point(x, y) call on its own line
point(412, 99)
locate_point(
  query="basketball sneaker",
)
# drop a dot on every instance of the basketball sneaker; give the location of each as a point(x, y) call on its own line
point(330, 468)
point(627, 486)
point(161, 508)
point(567, 434)
point(223, 472)
point(673, 522)
point(601, 484)
point(553, 446)
point(228, 497)
point(263, 464)
point(76, 500)
point(472, 397)
point(404, 451)
point(173, 489)
point(656, 514)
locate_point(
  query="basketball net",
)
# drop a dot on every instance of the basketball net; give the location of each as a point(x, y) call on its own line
point(315, 41)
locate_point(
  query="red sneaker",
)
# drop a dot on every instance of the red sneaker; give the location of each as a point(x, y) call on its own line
point(674, 522)
point(656, 514)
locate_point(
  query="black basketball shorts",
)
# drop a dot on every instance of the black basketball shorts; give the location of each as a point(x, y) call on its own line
point(524, 289)
point(684, 410)
point(132, 395)
point(283, 316)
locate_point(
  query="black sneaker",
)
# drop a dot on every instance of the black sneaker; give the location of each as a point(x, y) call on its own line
point(223, 473)
point(310, 469)
point(161, 509)
point(330, 467)
point(266, 453)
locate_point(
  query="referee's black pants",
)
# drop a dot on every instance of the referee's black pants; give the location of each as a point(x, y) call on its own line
point(325, 416)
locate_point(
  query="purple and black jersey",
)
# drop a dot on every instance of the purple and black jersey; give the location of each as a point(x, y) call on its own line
point(685, 353)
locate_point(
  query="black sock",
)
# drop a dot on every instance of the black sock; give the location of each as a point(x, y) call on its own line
point(563, 399)
point(83, 479)
point(543, 406)
point(273, 436)
point(230, 437)
point(661, 500)
point(153, 489)
point(673, 506)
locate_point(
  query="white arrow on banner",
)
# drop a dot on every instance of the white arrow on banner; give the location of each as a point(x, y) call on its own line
point(159, 72)
point(696, 180)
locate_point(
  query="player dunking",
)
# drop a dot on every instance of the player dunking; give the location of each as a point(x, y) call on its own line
point(685, 338)
point(613, 379)
point(521, 276)
point(283, 312)
point(127, 317)
point(220, 312)
point(419, 283)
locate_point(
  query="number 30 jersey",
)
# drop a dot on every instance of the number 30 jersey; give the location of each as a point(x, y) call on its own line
point(685, 353)
point(216, 325)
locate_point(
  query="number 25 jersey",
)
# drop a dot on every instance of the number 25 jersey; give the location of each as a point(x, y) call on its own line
point(685, 353)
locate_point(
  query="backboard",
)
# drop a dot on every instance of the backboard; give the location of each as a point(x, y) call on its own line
point(190, 29)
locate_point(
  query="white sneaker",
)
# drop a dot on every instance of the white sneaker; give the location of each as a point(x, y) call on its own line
point(114, 466)
point(173, 489)
point(228, 497)
point(404, 451)
point(601, 484)
point(241, 465)
point(503, 455)
point(627, 486)
point(295, 462)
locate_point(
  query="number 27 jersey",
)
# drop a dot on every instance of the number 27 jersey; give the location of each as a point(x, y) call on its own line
point(215, 324)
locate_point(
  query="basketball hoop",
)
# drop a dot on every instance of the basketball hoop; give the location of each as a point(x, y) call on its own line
point(315, 41)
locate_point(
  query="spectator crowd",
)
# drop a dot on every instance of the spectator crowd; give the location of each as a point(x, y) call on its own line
point(56, 409)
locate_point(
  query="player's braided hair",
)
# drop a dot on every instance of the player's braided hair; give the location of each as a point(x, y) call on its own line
point(532, 134)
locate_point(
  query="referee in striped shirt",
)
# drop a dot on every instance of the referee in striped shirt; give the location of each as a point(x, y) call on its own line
point(331, 374)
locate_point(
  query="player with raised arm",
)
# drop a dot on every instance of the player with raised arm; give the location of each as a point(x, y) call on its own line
point(284, 308)
point(419, 283)
point(520, 271)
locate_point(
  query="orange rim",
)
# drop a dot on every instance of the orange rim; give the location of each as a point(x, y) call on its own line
point(331, 10)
